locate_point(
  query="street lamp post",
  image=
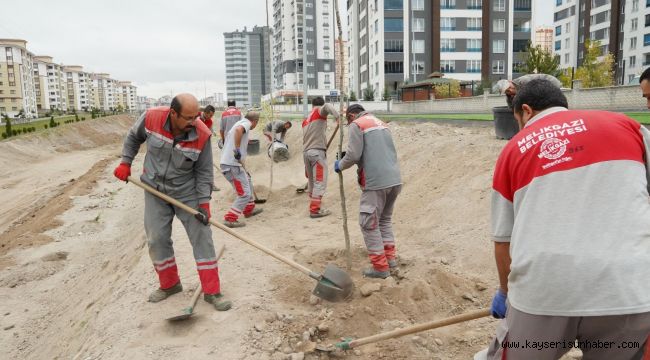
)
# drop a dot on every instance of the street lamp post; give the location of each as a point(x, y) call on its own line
point(305, 85)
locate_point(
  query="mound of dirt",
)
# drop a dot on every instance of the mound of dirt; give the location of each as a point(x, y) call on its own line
point(84, 295)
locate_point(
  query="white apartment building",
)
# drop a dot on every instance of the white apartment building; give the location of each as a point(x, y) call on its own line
point(128, 95)
point(79, 86)
point(636, 39)
point(17, 91)
point(565, 33)
point(42, 85)
point(287, 45)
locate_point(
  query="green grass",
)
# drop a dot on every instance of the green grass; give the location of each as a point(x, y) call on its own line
point(39, 124)
point(477, 117)
point(642, 117)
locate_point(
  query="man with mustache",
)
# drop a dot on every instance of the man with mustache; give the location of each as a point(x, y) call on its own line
point(178, 163)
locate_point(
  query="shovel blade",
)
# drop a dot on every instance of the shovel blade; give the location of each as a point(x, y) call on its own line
point(335, 285)
point(184, 314)
point(260, 201)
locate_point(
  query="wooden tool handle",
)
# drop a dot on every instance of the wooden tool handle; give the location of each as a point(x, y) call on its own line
point(199, 289)
point(332, 137)
point(224, 228)
point(421, 327)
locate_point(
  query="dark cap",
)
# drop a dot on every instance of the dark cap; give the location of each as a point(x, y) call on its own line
point(355, 109)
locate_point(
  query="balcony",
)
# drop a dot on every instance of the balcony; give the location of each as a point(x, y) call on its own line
point(448, 49)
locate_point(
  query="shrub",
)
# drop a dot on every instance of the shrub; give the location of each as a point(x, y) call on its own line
point(45, 126)
point(8, 126)
point(76, 117)
point(4, 135)
point(83, 118)
point(14, 132)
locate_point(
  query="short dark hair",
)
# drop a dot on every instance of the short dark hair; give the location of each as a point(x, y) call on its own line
point(209, 108)
point(645, 75)
point(176, 105)
point(355, 109)
point(540, 95)
point(231, 102)
point(318, 101)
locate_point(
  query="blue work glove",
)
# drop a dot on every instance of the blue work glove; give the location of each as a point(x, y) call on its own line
point(499, 306)
point(336, 166)
point(237, 154)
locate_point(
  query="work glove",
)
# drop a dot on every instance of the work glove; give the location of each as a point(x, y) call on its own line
point(340, 155)
point(499, 306)
point(204, 214)
point(123, 171)
point(220, 143)
point(237, 154)
point(337, 169)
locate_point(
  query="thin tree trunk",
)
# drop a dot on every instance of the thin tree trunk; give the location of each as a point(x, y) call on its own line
point(344, 211)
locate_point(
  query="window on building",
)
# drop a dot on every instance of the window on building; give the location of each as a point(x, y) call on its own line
point(634, 24)
point(558, 30)
point(558, 45)
point(447, 45)
point(417, 5)
point(567, 43)
point(567, 28)
point(633, 43)
point(393, 46)
point(418, 67)
point(566, 58)
point(646, 39)
point(418, 24)
point(327, 79)
point(558, 2)
point(393, 4)
point(635, 5)
point(498, 46)
point(499, 25)
point(393, 67)
point(498, 67)
point(447, 66)
point(376, 68)
point(499, 5)
point(632, 61)
point(519, 45)
point(473, 66)
point(474, 45)
point(393, 25)
point(475, 4)
point(448, 4)
point(418, 46)
point(474, 24)
point(447, 24)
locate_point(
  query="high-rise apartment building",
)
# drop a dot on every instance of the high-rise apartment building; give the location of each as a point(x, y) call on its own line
point(635, 40)
point(576, 21)
point(79, 85)
point(397, 41)
point(341, 61)
point(288, 44)
point(544, 38)
point(248, 65)
point(17, 91)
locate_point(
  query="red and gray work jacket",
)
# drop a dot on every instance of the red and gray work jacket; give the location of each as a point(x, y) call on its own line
point(314, 127)
point(229, 118)
point(180, 167)
point(371, 147)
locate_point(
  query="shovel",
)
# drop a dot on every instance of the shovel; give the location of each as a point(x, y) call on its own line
point(351, 344)
point(257, 200)
point(189, 310)
point(301, 190)
point(333, 285)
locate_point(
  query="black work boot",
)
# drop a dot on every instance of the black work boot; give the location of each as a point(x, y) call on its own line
point(162, 294)
point(217, 300)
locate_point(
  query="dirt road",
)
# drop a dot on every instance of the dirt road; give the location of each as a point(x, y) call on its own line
point(75, 273)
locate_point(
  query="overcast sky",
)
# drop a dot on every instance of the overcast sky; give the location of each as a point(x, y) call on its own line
point(163, 46)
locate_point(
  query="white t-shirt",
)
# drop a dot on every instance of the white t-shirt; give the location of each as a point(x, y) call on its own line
point(227, 154)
